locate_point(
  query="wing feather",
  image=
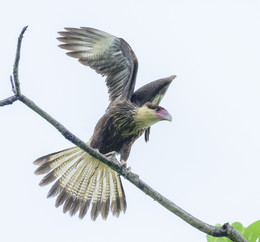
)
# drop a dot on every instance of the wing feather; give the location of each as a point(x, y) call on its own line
point(107, 55)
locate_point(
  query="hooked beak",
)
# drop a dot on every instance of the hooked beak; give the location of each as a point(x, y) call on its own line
point(164, 115)
point(168, 117)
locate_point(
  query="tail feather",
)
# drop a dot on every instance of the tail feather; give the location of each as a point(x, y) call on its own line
point(81, 180)
point(68, 204)
point(75, 207)
point(63, 195)
point(106, 196)
point(57, 166)
point(83, 208)
point(58, 170)
point(56, 156)
point(121, 194)
point(97, 196)
point(115, 205)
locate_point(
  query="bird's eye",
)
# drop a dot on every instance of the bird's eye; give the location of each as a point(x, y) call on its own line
point(157, 109)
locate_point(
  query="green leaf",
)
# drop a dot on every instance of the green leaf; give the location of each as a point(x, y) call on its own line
point(209, 238)
point(238, 227)
point(252, 232)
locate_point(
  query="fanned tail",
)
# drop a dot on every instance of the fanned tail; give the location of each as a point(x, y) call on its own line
point(81, 180)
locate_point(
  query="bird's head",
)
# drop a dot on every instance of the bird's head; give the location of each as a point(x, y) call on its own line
point(150, 114)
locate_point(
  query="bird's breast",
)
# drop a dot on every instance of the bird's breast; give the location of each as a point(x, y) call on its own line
point(114, 130)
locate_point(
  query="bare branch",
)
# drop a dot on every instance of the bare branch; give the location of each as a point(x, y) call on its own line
point(16, 85)
point(15, 78)
point(226, 230)
point(8, 100)
point(12, 84)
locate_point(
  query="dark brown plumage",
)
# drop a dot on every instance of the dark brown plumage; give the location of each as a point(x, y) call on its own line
point(82, 180)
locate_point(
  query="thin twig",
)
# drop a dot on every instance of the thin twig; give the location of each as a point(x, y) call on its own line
point(12, 84)
point(226, 230)
point(15, 78)
point(17, 89)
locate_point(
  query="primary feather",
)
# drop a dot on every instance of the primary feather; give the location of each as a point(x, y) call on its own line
point(107, 55)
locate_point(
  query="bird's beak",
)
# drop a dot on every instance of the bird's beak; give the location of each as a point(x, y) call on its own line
point(168, 117)
point(164, 115)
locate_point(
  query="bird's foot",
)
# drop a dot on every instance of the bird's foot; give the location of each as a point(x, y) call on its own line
point(124, 165)
point(97, 150)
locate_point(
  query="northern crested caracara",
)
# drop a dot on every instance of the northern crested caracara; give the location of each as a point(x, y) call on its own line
point(80, 178)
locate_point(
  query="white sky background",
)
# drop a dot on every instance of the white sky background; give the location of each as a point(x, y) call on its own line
point(206, 161)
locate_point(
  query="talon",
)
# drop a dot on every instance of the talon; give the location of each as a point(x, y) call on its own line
point(127, 171)
point(124, 163)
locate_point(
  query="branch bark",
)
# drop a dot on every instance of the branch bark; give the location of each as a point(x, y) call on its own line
point(226, 230)
point(8, 101)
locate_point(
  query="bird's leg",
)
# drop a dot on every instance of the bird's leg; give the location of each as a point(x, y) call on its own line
point(124, 154)
point(124, 165)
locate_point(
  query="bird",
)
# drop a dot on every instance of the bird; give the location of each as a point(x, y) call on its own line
point(82, 181)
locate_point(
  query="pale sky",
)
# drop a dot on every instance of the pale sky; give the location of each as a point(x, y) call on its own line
point(206, 160)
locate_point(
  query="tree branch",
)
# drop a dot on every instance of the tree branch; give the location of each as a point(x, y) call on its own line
point(16, 85)
point(226, 230)
point(8, 101)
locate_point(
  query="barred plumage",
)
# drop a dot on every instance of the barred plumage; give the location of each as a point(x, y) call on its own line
point(80, 179)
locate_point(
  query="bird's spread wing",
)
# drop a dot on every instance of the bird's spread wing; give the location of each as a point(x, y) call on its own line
point(106, 54)
point(152, 92)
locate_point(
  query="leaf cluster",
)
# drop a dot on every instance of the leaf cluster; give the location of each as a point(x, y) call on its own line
point(250, 233)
